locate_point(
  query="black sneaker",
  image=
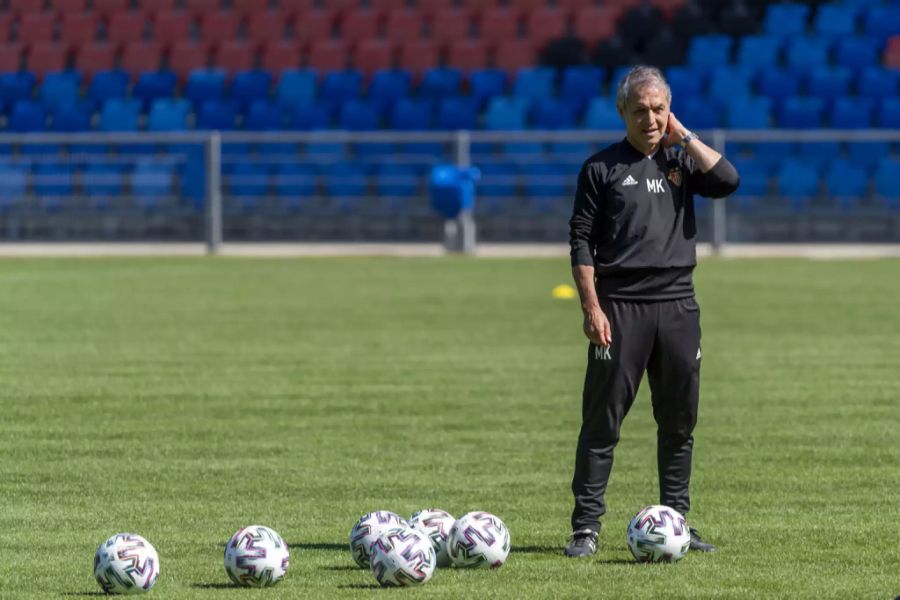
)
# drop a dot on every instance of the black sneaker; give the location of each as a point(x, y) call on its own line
point(698, 544)
point(582, 543)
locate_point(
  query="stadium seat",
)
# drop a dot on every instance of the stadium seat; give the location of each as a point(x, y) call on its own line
point(126, 27)
point(360, 24)
point(602, 114)
point(455, 113)
point(467, 54)
point(102, 183)
point(120, 114)
point(203, 85)
point(328, 55)
point(140, 57)
point(219, 26)
point(345, 180)
point(296, 87)
point(702, 112)
point(10, 57)
point(339, 87)
point(778, 84)
point(155, 6)
point(396, 180)
point(753, 112)
point(552, 113)
point(314, 25)
point(264, 115)
point(65, 7)
point(683, 81)
point(888, 113)
point(93, 57)
point(281, 55)
point(217, 115)
point(249, 182)
point(15, 86)
point(250, 85)
point(499, 179)
point(828, 82)
point(410, 114)
point(168, 114)
point(106, 85)
point(805, 53)
point(846, 182)
point(172, 26)
point(547, 186)
point(499, 24)
point(294, 183)
point(359, 115)
point(877, 83)
point(450, 25)
point(507, 113)
point(58, 89)
point(513, 55)
point(13, 186)
point(438, 83)
point(867, 154)
point(309, 117)
point(850, 112)
point(235, 55)
point(581, 83)
point(754, 177)
point(596, 23)
point(154, 84)
point(152, 183)
point(5, 27)
point(707, 51)
point(835, 20)
point(758, 51)
point(27, 116)
point(387, 87)
point(882, 20)
point(46, 58)
point(266, 25)
point(817, 154)
point(188, 56)
point(786, 19)
point(798, 182)
point(534, 83)
point(372, 55)
point(417, 56)
point(36, 27)
point(78, 28)
point(485, 84)
point(726, 84)
point(545, 24)
point(53, 182)
point(887, 184)
point(801, 113)
point(403, 24)
point(202, 6)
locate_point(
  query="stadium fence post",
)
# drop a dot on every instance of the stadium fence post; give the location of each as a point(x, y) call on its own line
point(719, 214)
point(213, 192)
point(462, 229)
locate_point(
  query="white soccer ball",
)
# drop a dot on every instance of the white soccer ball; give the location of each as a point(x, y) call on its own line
point(256, 556)
point(126, 563)
point(436, 524)
point(367, 530)
point(403, 556)
point(478, 539)
point(658, 534)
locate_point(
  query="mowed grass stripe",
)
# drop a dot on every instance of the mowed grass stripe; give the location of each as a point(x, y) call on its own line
point(184, 398)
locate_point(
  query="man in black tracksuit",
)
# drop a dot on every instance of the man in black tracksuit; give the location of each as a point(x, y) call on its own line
point(632, 240)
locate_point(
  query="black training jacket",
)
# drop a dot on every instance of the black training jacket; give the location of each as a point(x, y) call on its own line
point(634, 221)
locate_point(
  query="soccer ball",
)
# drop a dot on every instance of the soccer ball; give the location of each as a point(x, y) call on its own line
point(367, 530)
point(658, 534)
point(403, 556)
point(256, 556)
point(126, 564)
point(436, 524)
point(478, 539)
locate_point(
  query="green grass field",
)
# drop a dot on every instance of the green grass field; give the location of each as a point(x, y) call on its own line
point(184, 398)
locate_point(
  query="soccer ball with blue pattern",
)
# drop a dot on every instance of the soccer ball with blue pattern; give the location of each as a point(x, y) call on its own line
point(256, 556)
point(436, 524)
point(478, 539)
point(366, 531)
point(658, 534)
point(403, 556)
point(126, 563)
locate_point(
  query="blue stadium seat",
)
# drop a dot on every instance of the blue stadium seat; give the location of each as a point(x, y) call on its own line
point(106, 85)
point(15, 87)
point(309, 117)
point(168, 114)
point(339, 87)
point(410, 114)
point(726, 84)
point(856, 52)
point(867, 154)
point(534, 83)
point(804, 53)
point(602, 114)
point(876, 82)
point(296, 87)
point(248, 181)
point(217, 115)
point(203, 85)
point(888, 115)
point(152, 182)
point(754, 177)
point(828, 82)
point(581, 83)
point(71, 118)
point(818, 154)
point(440, 83)
point(701, 112)
point(708, 51)
point(13, 185)
point(485, 84)
point(887, 184)
point(58, 89)
point(777, 84)
point(851, 112)
point(103, 182)
point(388, 87)
point(152, 85)
point(27, 116)
point(753, 112)
point(685, 81)
point(251, 85)
point(397, 180)
point(455, 113)
point(847, 182)
point(263, 115)
point(786, 19)
point(798, 181)
point(294, 181)
point(498, 179)
point(772, 154)
point(882, 21)
point(506, 112)
point(120, 114)
point(548, 183)
point(801, 113)
point(835, 19)
point(359, 115)
point(53, 180)
point(552, 113)
point(755, 51)
point(346, 180)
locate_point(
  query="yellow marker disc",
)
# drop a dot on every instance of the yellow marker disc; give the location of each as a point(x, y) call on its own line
point(564, 292)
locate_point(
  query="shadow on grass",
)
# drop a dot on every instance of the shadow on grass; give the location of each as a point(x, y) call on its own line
point(360, 586)
point(320, 546)
point(82, 594)
point(217, 586)
point(341, 568)
point(536, 550)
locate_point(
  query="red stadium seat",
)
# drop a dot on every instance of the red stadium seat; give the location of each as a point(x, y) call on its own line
point(36, 27)
point(22, 7)
point(78, 28)
point(514, 55)
point(468, 54)
point(450, 25)
point(598, 23)
point(93, 57)
point(5, 26)
point(371, 55)
point(386, 5)
point(527, 5)
point(155, 6)
point(69, 6)
point(266, 26)
point(480, 4)
point(314, 25)
point(219, 26)
point(235, 55)
point(360, 25)
point(109, 7)
point(185, 56)
point(545, 24)
point(431, 6)
point(299, 5)
point(10, 57)
point(892, 53)
point(172, 26)
point(499, 24)
point(668, 8)
point(281, 55)
point(403, 24)
point(573, 5)
point(126, 27)
point(47, 57)
point(328, 55)
point(138, 57)
point(418, 55)
point(202, 6)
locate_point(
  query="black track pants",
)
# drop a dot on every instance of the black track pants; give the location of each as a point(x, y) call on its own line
point(662, 338)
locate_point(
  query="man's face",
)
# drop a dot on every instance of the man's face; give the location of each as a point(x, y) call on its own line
point(646, 115)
